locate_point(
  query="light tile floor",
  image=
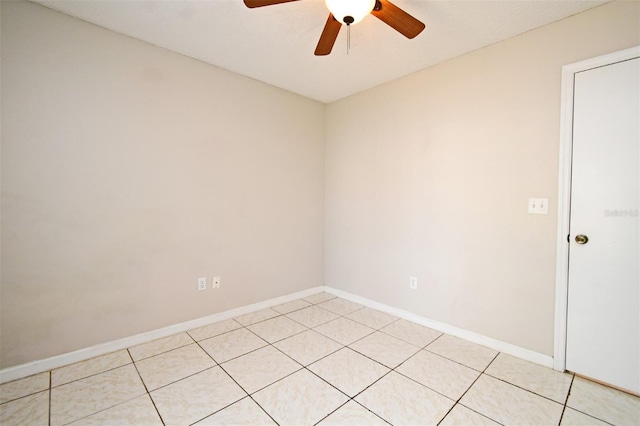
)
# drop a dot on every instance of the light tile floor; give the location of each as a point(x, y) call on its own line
point(319, 360)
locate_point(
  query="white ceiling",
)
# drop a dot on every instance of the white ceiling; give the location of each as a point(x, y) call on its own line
point(275, 44)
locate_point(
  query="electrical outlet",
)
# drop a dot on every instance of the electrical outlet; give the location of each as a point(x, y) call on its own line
point(202, 283)
point(538, 206)
point(413, 283)
point(216, 282)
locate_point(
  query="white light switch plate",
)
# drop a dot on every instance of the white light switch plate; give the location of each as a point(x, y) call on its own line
point(538, 206)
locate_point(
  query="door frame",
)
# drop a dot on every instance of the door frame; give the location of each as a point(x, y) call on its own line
point(564, 192)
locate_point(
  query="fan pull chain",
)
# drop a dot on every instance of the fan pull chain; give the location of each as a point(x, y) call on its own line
point(348, 38)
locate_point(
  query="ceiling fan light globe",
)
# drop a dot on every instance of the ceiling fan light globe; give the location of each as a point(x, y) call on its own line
point(356, 9)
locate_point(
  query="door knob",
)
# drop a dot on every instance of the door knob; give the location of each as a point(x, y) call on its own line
point(582, 239)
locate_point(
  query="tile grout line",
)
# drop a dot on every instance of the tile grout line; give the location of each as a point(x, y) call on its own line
point(330, 413)
point(248, 395)
point(179, 380)
point(119, 403)
point(284, 338)
point(217, 364)
point(317, 325)
point(51, 388)
point(238, 356)
point(468, 389)
point(146, 388)
point(265, 386)
point(527, 390)
point(50, 399)
point(524, 389)
point(90, 375)
point(349, 398)
point(231, 377)
point(372, 412)
point(424, 348)
point(564, 407)
point(573, 377)
point(262, 408)
point(163, 352)
point(214, 335)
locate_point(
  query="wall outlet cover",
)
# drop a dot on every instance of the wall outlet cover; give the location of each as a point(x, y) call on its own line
point(202, 283)
point(413, 283)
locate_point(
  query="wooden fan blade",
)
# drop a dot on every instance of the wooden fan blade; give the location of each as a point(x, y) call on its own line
point(259, 3)
point(397, 19)
point(328, 37)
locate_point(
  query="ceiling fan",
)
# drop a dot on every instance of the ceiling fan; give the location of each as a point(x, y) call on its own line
point(351, 12)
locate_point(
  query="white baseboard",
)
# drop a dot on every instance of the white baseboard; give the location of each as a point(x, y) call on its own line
point(35, 367)
point(480, 339)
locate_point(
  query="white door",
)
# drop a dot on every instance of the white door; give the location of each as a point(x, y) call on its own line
point(603, 316)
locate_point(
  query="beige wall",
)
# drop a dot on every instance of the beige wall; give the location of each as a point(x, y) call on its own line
point(429, 176)
point(129, 171)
